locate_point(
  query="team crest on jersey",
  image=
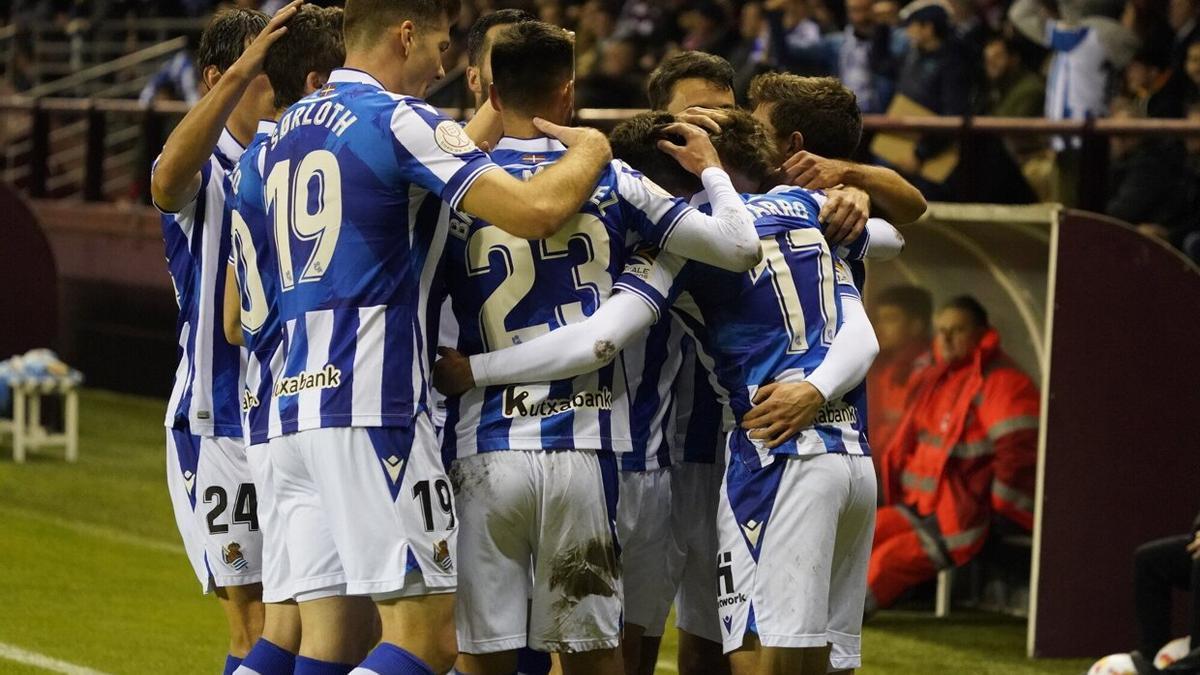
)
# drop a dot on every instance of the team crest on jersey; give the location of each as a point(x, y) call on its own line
point(233, 556)
point(451, 138)
point(441, 556)
point(654, 188)
point(841, 272)
point(529, 402)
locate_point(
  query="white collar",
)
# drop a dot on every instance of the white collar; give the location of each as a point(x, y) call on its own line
point(266, 127)
point(229, 147)
point(353, 75)
point(540, 144)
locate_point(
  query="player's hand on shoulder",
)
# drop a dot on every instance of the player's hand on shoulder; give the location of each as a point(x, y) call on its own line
point(452, 372)
point(696, 153)
point(250, 63)
point(781, 410)
point(844, 214)
point(574, 136)
point(709, 119)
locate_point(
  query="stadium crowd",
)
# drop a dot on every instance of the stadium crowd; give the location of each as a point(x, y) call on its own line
point(1072, 59)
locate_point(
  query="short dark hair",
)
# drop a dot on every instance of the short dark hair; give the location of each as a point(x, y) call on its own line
point(226, 37)
point(530, 62)
point(312, 44)
point(682, 66)
point(742, 145)
point(822, 109)
point(477, 36)
point(914, 301)
point(968, 304)
point(365, 20)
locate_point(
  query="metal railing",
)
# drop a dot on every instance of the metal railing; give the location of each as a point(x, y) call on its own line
point(120, 138)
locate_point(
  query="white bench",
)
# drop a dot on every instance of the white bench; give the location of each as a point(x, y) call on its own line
point(26, 428)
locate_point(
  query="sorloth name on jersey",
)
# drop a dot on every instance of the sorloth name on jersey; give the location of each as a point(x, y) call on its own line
point(532, 401)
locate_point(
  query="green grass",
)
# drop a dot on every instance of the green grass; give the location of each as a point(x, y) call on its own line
point(92, 572)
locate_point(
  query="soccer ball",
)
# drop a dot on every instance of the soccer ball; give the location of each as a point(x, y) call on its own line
point(1173, 651)
point(1113, 664)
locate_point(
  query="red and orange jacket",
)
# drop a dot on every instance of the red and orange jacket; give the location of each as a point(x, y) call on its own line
point(891, 383)
point(967, 448)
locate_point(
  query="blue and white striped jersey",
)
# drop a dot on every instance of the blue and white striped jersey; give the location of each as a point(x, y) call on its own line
point(702, 416)
point(205, 398)
point(346, 172)
point(258, 285)
point(651, 365)
point(774, 323)
point(507, 290)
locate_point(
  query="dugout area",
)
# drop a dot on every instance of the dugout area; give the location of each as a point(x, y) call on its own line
point(1106, 321)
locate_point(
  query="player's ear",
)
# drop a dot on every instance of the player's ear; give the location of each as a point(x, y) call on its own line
point(314, 81)
point(406, 34)
point(567, 101)
point(795, 142)
point(494, 97)
point(473, 80)
point(210, 76)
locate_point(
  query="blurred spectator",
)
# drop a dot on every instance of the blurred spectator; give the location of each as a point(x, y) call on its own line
point(933, 76)
point(1182, 16)
point(617, 83)
point(596, 24)
point(795, 38)
point(1148, 182)
point(1012, 90)
point(750, 54)
point(964, 455)
point(1085, 48)
point(1160, 567)
point(1149, 81)
point(903, 321)
point(178, 76)
point(706, 28)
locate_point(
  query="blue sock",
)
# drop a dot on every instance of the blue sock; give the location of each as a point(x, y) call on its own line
point(388, 659)
point(307, 666)
point(267, 658)
point(532, 662)
point(231, 664)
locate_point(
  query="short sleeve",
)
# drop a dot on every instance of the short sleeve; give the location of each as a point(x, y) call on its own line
point(435, 152)
point(649, 209)
point(655, 276)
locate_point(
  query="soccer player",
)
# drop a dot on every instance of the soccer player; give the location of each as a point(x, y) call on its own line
point(297, 65)
point(534, 467)
point(361, 490)
point(207, 475)
point(782, 321)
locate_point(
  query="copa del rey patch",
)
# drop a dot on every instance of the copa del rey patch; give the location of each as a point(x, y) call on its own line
point(451, 138)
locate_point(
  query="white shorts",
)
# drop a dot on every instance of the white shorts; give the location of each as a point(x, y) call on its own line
point(274, 548)
point(795, 542)
point(650, 558)
point(365, 511)
point(551, 512)
point(695, 493)
point(215, 508)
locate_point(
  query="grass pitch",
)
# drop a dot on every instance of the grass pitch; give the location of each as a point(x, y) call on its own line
point(92, 572)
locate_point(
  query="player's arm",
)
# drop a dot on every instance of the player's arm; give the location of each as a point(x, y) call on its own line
point(538, 208)
point(879, 241)
point(176, 177)
point(572, 350)
point(889, 191)
point(232, 306)
point(1029, 17)
point(782, 409)
point(726, 239)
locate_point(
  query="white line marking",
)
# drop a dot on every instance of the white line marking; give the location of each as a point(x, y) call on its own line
point(15, 653)
point(98, 531)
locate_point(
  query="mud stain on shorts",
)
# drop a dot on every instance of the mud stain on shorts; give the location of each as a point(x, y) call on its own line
point(466, 476)
point(586, 569)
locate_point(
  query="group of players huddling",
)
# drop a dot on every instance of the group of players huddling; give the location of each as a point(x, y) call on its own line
point(652, 365)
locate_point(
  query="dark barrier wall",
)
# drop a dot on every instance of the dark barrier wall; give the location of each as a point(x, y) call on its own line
point(29, 301)
point(1122, 459)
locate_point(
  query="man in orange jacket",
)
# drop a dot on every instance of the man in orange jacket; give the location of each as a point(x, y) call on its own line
point(903, 318)
point(965, 453)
